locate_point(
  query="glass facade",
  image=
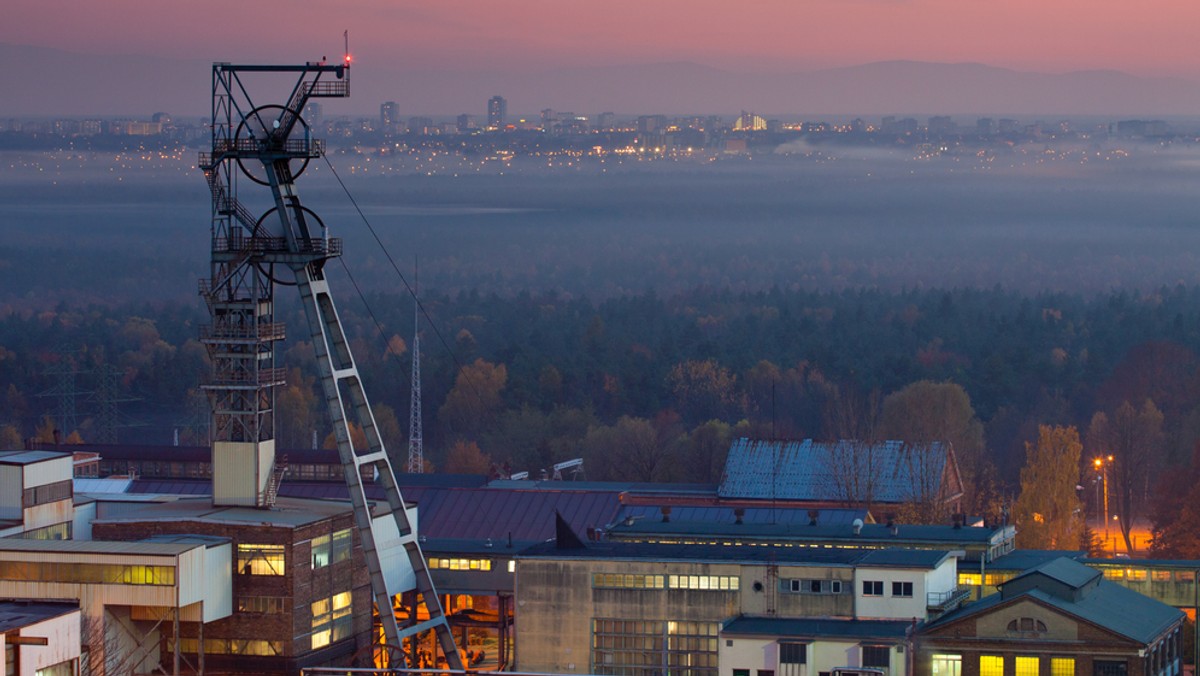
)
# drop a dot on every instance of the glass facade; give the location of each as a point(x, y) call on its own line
point(86, 573)
point(255, 559)
point(654, 648)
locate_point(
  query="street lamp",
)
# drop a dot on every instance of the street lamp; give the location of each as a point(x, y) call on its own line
point(1101, 465)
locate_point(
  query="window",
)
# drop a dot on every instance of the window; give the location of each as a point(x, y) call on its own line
point(741, 672)
point(766, 672)
point(644, 648)
point(40, 495)
point(331, 620)
point(813, 586)
point(260, 559)
point(1161, 575)
point(1109, 668)
point(872, 587)
point(461, 564)
point(945, 664)
point(704, 582)
point(223, 646)
point(1062, 666)
point(86, 573)
point(1027, 625)
point(61, 669)
point(630, 581)
point(991, 665)
point(1027, 666)
point(260, 605)
point(330, 549)
point(904, 589)
point(793, 653)
point(878, 656)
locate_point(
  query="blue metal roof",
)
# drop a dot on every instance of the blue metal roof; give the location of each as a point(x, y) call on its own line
point(889, 471)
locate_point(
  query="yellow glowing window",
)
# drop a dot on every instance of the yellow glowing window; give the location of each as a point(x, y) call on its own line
point(256, 559)
point(1062, 666)
point(1027, 666)
point(991, 665)
point(969, 579)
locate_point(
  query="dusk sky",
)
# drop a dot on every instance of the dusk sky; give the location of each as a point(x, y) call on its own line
point(1151, 37)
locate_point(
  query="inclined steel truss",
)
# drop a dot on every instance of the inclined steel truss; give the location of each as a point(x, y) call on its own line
point(271, 145)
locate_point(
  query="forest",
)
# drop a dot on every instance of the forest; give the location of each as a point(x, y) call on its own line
point(642, 319)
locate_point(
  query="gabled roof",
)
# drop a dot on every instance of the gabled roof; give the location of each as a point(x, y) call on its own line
point(888, 471)
point(1102, 603)
point(1061, 577)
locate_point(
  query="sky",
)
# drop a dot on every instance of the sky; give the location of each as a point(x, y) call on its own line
point(1149, 37)
point(449, 56)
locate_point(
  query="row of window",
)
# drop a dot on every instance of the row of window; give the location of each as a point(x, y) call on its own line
point(899, 589)
point(330, 549)
point(261, 605)
point(86, 573)
point(993, 665)
point(40, 495)
point(228, 646)
point(814, 586)
point(639, 581)
point(460, 564)
point(1130, 574)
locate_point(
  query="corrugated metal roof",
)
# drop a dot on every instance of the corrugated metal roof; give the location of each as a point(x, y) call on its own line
point(102, 485)
point(466, 513)
point(740, 553)
point(702, 514)
point(817, 628)
point(18, 614)
point(96, 547)
point(890, 471)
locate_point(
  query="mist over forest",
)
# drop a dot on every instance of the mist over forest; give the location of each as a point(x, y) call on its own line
point(672, 295)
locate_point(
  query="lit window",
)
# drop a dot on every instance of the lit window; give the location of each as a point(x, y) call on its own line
point(260, 559)
point(991, 665)
point(1062, 666)
point(945, 664)
point(1027, 666)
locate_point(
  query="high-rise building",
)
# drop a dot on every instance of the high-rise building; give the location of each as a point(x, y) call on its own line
point(497, 112)
point(389, 115)
point(464, 124)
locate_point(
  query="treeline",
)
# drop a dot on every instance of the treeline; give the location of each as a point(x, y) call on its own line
point(651, 388)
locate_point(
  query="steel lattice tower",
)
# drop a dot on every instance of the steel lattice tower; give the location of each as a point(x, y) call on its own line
point(416, 441)
point(271, 146)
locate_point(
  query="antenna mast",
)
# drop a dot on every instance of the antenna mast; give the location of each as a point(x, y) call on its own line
point(416, 441)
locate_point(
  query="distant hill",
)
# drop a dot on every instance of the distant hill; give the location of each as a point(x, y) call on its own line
point(53, 82)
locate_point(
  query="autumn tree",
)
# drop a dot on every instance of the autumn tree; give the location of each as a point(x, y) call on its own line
point(703, 390)
point(1132, 436)
point(925, 412)
point(703, 451)
point(1048, 510)
point(464, 457)
point(1175, 512)
point(630, 450)
point(10, 439)
point(475, 401)
point(297, 413)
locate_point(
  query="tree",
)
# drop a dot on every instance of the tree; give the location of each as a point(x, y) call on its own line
point(1132, 436)
point(925, 412)
point(475, 400)
point(10, 439)
point(703, 390)
point(296, 415)
point(465, 457)
point(702, 452)
point(630, 450)
point(1175, 512)
point(1048, 509)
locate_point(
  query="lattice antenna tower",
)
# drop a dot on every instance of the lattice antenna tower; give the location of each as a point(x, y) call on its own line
point(416, 440)
point(270, 145)
point(106, 398)
point(64, 370)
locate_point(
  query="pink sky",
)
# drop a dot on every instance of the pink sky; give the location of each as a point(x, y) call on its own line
point(1148, 37)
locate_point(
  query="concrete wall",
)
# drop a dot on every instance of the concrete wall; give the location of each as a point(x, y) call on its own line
point(756, 653)
point(49, 471)
point(888, 606)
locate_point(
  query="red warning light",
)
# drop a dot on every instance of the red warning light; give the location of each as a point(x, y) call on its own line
point(347, 59)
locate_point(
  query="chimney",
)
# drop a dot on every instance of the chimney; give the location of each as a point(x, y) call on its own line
point(738, 514)
point(666, 513)
point(812, 516)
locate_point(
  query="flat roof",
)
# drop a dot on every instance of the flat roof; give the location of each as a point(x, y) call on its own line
point(811, 628)
point(799, 530)
point(97, 547)
point(287, 512)
point(18, 614)
point(818, 556)
point(30, 457)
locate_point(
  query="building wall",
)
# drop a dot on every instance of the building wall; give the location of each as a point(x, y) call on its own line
point(11, 485)
point(557, 602)
point(63, 644)
point(274, 608)
point(889, 605)
point(762, 653)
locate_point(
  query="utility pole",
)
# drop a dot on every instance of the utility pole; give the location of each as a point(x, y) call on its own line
point(416, 441)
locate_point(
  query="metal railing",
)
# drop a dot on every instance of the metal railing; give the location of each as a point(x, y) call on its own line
point(263, 331)
point(945, 599)
point(262, 245)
